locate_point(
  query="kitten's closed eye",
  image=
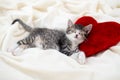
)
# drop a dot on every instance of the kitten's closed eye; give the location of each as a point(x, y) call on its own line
point(71, 31)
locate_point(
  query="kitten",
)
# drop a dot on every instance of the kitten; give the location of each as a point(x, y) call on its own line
point(65, 42)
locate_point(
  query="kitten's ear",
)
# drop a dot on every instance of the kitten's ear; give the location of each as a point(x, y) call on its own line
point(70, 23)
point(88, 28)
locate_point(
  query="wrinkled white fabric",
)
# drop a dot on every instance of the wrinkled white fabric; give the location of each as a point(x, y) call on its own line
point(36, 64)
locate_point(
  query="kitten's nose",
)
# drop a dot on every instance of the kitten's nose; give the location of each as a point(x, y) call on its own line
point(76, 36)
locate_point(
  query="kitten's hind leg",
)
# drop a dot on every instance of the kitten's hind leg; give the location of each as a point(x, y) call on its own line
point(12, 49)
point(20, 48)
point(17, 50)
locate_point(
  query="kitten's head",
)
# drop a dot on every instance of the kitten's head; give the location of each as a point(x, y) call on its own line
point(77, 33)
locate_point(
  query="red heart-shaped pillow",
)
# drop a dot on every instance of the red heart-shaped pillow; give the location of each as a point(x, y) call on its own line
point(102, 37)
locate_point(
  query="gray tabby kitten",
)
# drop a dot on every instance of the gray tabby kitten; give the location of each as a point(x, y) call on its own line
point(65, 42)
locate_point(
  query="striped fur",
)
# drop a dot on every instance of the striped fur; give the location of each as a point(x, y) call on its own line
point(50, 39)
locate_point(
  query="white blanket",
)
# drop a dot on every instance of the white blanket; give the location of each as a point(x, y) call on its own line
point(36, 64)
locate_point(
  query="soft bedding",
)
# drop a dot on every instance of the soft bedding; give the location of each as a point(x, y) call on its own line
point(37, 64)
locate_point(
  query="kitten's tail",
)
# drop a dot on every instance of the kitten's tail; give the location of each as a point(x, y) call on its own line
point(25, 26)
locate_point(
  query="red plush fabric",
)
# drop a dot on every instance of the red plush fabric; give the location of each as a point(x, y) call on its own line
point(102, 37)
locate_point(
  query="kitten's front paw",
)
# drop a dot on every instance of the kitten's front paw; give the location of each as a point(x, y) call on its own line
point(81, 57)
